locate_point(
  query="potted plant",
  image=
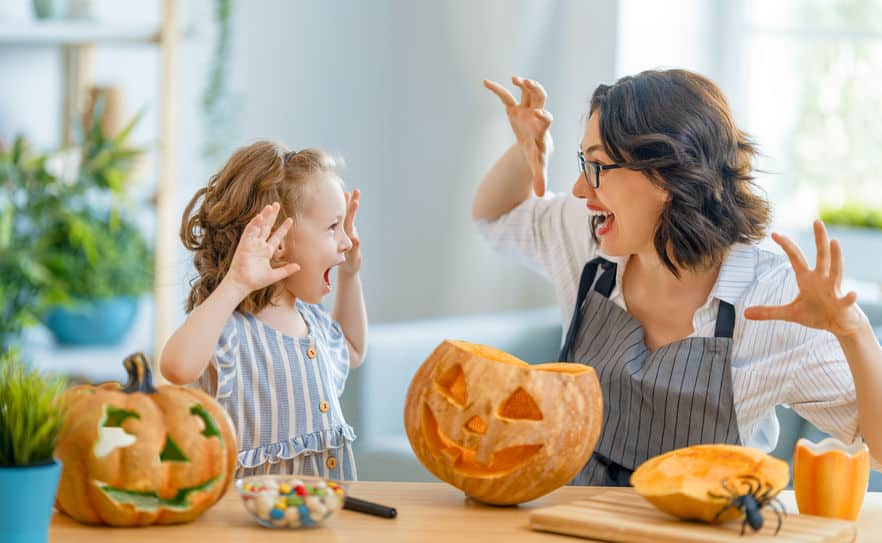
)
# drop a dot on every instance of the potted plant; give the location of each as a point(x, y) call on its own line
point(21, 172)
point(96, 259)
point(30, 418)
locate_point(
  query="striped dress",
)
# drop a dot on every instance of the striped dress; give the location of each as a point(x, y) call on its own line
point(283, 395)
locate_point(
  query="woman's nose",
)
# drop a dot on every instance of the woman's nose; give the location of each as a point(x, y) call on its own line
point(581, 188)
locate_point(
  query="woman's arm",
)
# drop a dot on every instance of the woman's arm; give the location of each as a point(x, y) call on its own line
point(522, 169)
point(819, 305)
point(349, 308)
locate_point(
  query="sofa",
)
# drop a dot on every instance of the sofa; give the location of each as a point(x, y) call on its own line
point(373, 401)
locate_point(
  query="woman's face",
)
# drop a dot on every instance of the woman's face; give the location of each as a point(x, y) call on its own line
point(317, 241)
point(630, 202)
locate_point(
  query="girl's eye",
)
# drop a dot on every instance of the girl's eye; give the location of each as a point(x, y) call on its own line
point(334, 226)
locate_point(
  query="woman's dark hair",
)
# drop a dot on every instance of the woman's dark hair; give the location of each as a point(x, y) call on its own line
point(676, 126)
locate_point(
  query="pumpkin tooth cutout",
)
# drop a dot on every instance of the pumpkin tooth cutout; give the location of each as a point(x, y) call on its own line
point(501, 430)
point(139, 454)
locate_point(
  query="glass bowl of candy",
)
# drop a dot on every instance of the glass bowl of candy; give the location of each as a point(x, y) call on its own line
point(290, 501)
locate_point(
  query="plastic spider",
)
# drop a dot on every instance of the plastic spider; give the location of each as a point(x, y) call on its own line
point(758, 496)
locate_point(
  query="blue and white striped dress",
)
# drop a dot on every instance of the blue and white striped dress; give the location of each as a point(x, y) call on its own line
point(283, 395)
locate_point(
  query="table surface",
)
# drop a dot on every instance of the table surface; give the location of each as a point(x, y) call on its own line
point(426, 512)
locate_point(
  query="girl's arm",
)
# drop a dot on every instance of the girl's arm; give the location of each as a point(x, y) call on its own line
point(819, 305)
point(189, 350)
point(349, 309)
point(522, 168)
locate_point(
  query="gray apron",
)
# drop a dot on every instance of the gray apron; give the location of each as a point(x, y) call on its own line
point(653, 402)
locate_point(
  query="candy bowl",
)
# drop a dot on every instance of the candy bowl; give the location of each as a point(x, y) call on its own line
point(290, 501)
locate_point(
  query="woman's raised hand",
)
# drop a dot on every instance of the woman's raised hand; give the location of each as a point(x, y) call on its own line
point(251, 268)
point(529, 122)
point(818, 303)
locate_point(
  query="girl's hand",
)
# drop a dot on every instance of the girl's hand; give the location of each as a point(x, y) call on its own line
point(530, 123)
point(819, 303)
point(353, 255)
point(251, 268)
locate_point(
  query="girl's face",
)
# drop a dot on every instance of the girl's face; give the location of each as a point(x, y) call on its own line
point(631, 202)
point(317, 241)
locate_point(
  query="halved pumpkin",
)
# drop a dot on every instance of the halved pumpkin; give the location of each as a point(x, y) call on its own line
point(684, 482)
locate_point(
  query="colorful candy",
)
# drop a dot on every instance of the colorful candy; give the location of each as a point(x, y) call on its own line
point(277, 501)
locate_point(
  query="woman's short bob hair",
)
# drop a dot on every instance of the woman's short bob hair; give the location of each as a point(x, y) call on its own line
point(676, 126)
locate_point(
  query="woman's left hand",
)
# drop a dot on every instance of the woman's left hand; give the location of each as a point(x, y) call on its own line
point(353, 255)
point(819, 303)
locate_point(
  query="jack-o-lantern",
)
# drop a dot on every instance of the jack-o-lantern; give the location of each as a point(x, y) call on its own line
point(501, 430)
point(139, 455)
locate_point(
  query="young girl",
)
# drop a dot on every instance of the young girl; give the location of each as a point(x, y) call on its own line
point(266, 232)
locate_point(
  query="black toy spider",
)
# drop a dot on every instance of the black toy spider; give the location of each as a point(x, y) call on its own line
point(758, 496)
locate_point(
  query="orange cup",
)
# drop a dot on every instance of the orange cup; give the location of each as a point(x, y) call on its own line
point(830, 478)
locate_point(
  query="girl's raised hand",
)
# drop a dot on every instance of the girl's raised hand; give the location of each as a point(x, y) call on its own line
point(251, 268)
point(818, 303)
point(529, 122)
point(353, 255)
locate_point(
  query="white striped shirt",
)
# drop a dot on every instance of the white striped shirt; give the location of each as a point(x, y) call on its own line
point(283, 395)
point(773, 362)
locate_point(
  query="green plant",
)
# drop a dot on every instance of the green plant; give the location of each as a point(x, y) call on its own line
point(21, 173)
point(853, 214)
point(64, 232)
point(30, 412)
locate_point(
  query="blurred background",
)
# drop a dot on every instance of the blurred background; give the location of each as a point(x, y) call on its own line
point(113, 113)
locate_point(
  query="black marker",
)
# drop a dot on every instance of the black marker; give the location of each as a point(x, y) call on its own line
point(371, 508)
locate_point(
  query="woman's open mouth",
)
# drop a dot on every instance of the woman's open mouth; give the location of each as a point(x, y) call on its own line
point(602, 221)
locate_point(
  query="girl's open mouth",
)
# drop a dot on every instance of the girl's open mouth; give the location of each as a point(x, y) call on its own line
point(327, 278)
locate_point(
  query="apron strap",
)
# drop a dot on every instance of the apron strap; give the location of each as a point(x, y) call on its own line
point(604, 286)
point(725, 320)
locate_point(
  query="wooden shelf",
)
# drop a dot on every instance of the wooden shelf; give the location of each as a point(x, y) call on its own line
point(72, 32)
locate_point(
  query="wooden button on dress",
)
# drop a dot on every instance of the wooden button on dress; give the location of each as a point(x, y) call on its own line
point(331, 462)
point(324, 406)
point(310, 352)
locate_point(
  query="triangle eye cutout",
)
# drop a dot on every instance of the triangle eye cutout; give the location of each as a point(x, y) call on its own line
point(453, 386)
point(520, 406)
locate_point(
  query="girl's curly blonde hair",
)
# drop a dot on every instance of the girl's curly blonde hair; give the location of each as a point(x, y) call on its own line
point(255, 176)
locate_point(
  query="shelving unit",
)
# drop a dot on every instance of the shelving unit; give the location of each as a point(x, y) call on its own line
point(78, 40)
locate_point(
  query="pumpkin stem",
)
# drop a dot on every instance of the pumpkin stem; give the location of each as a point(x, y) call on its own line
point(140, 377)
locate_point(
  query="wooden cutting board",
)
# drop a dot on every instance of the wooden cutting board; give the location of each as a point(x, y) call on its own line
point(623, 516)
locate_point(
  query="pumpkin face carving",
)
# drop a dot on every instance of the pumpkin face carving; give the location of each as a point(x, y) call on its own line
point(140, 455)
point(499, 429)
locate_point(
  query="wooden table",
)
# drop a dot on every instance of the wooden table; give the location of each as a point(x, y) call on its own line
point(426, 512)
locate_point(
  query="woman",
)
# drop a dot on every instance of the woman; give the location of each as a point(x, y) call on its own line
point(695, 332)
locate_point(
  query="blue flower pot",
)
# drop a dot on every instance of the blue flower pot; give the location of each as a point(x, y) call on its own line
point(27, 495)
point(93, 322)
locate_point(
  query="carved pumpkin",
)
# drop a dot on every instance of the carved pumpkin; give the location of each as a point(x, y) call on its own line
point(499, 429)
point(684, 482)
point(139, 455)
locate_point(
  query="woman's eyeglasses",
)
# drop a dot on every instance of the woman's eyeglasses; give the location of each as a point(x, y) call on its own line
point(591, 170)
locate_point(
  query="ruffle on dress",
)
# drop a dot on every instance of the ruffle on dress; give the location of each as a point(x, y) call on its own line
point(313, 442)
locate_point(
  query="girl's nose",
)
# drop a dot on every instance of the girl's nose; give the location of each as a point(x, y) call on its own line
point(581, 188)
point(345, 243)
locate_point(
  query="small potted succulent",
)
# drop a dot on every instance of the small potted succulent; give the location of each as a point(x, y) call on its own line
point(30, 418)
